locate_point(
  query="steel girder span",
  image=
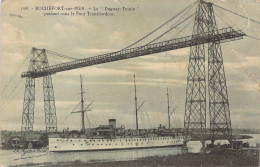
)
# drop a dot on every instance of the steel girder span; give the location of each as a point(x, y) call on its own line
point(220, 35)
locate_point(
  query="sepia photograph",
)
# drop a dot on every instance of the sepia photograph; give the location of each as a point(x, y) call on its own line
point(130, 83)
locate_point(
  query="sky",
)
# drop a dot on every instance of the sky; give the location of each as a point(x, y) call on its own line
point(110, 85)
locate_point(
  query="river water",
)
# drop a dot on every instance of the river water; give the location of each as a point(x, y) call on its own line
point(9, 157)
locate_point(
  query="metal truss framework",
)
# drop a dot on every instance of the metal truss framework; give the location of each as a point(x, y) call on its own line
point(195, 106)
point(219, 112)
point(221, 35)
point(38, 61)
point(205, 36)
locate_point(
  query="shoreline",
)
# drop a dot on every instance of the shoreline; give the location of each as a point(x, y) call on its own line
point(216, 157)
point(235, 136)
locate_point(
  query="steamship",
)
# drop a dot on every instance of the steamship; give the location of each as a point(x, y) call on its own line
point(111, 137)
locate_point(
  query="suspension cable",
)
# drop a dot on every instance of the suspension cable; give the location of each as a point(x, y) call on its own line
point(253, 37)
point(235, 26)
point(20, 67)
point(60, 55)
point(216, 14)
point(191, 5)
point(249, 75)
point(237, 14)
point(170, 29)
point(186, 25)
point(180, 19)
point(70, 113)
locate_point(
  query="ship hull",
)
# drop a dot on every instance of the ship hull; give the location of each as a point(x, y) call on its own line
point(78, 144)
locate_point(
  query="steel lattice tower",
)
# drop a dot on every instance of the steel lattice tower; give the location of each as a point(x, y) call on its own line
point(220, 122)
point(195, 106)
point(39, 61)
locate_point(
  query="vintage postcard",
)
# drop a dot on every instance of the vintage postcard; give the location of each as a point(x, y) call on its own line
point(130, 83)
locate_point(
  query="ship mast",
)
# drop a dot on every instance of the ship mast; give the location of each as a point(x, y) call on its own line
point(83, 110)
point(169, 121)
point(173, 109)
point(136, 106)
point(82, 106)
point(136, 110)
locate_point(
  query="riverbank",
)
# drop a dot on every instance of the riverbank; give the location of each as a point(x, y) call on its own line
point(221, 137)
point(217, 157)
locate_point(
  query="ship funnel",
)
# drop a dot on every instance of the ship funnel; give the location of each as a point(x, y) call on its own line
point(112, 123)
